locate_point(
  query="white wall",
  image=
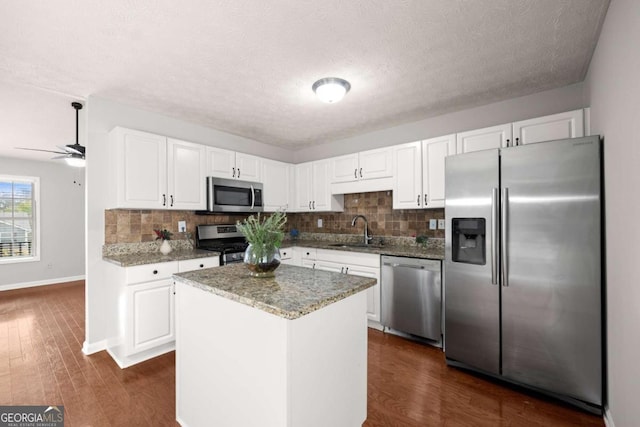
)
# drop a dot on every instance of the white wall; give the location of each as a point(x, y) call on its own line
point(102, 116)
point(613, 90)
point(61, 225)
point(526, 107)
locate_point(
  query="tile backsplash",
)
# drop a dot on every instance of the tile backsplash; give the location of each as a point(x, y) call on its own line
point(135, 225)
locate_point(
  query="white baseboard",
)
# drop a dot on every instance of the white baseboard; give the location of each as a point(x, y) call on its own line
point(608, 419)
point(94, 347)
point(40, 283)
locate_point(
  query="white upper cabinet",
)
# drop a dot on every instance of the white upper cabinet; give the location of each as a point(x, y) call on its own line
point(153, 172)
point(484, 139)
point(434, 151)
point(231, 165)
point(407, 171)
point(276, 182)
point(313, 188)
point(548, 128)
point(186, 167)
point(369, 164)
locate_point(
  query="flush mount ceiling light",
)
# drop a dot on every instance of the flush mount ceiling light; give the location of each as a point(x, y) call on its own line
point(331, 89)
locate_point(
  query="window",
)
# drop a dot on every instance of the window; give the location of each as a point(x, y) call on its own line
point(19, 228)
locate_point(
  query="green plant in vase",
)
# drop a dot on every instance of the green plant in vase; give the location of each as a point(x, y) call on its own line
point(264, 235)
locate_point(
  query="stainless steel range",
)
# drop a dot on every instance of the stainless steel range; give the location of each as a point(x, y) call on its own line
point(225, 239)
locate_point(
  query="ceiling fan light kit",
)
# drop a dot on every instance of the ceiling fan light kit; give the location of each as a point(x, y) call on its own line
point(331, 89)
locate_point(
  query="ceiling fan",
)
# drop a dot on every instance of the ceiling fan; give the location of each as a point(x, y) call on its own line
point(73, 154)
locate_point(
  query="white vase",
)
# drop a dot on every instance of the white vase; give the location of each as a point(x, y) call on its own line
point(165, 248)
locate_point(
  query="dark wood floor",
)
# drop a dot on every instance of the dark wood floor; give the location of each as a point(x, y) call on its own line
point(42, 330)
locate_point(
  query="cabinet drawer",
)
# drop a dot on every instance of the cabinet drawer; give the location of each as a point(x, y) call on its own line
point(308, 253)
point(349, 258)
point(286, 253)
point(197, 264)
point(149, 272)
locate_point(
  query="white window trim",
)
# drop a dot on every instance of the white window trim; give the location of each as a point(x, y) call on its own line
point(36, 191)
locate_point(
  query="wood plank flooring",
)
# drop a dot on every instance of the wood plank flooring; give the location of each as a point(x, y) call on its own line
point(41, 363)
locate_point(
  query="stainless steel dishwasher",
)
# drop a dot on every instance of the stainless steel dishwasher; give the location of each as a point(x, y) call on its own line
point(411, 294)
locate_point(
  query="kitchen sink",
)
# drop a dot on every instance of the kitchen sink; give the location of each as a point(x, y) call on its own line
point(355, 245)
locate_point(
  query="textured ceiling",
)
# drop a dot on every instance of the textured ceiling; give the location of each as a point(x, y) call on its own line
point(247, 66)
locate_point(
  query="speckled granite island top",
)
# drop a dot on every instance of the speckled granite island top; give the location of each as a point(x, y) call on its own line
point(294, 292)
point(394, 250)
point(142, 258)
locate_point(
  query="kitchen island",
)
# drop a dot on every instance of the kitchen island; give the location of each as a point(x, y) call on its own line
point(285, 351)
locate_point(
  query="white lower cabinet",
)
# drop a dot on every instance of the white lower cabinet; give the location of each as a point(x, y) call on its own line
point(143, 300)
point(356, 263)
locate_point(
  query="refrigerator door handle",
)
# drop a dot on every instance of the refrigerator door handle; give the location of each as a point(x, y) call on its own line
point(504, 237)
point(494, 236)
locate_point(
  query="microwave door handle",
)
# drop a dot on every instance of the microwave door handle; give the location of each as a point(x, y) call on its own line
point(253, 197)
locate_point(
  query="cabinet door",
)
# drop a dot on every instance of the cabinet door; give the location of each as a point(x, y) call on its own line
point(303, 186)
point(248, 167)
point(221, 163)
point(344, 168)
point(141, 164)
point(373, 293)
point(151, 307)
point(186, 175)
point(376, 164)
point(484, 139)
point(334, 267)
point(434, 152)
point(309, 263)
point(407, 184)
point(275, 179)
point(321, 190)
point(557, 126)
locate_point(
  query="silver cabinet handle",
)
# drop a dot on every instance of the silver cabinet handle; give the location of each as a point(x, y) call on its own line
point(346, 271)
point(418, 200)
point(234, 172)
point(164, 200)
point(238, 172)
point(504, 236)
point(355, 173)
point(341, 270)
point(360, 172)
point(494, 236)
point(517, 141)
point(171, 197)
point(425, 199)
point(508, 143)
point(314, 205)
point(309, 204)
point(395, 264)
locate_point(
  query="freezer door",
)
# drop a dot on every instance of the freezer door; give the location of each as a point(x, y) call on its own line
point(551, 295)
point(472, 326)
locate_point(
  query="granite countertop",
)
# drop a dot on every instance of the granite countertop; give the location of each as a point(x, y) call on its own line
point(394, 250)
point(292, 293)
point(142, 258)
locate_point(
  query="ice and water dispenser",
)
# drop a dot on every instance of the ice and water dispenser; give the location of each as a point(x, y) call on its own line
point(468, 240)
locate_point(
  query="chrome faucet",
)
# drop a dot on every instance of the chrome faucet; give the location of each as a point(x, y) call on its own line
point(367, 238)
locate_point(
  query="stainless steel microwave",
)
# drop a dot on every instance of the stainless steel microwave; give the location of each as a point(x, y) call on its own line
point(232, 195)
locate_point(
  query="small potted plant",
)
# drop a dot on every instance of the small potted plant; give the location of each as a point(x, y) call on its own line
point(264, 236)
point(165, 236)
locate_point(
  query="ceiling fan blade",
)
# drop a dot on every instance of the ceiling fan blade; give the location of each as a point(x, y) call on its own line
point(66, 156)
point(37, 149)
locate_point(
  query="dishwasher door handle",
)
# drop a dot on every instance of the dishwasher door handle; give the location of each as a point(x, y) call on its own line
point(395, 264)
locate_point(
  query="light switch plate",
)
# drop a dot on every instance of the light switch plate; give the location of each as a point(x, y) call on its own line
point(433, 224)
point(319, 222)
point(182, 226)
point(441, 223)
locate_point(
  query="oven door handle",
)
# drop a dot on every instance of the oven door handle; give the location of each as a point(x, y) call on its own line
point(253, 197)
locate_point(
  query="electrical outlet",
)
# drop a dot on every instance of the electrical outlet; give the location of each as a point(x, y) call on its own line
point(182, 226)
point(319, 222)
point(433, 224)
point(441, 223)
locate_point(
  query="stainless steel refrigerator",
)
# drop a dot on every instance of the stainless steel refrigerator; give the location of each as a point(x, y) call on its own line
point(523, 266)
